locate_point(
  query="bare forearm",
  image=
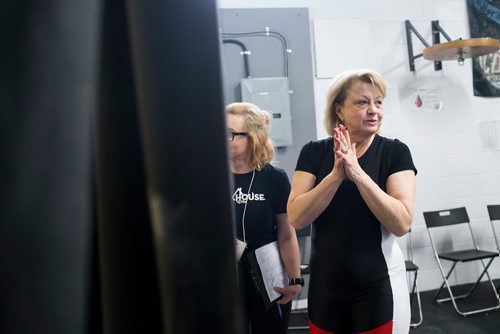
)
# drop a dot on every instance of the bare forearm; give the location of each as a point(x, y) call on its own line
point(391, 212)
point(305, 208)
point(289, 249)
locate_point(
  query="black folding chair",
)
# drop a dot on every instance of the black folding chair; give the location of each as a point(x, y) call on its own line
point(494, 213)
point(442, 219)
point(412, 268)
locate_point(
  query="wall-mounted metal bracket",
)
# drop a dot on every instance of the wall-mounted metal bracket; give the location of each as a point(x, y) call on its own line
point(436, 31)
point(411, 57)
point(458, 50)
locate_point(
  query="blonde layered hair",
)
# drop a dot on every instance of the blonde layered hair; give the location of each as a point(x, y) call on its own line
point(339, 88)
point(257, 122)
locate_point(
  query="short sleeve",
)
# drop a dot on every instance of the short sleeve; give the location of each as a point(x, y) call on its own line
point(282, 190)
point(309, 160)
point(400, 158)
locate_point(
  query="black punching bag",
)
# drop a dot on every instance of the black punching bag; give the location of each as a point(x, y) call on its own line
point(175, 48)
point(129, 281)
point(48, 87)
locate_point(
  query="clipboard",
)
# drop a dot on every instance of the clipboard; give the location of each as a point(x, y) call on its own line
point(267, 271)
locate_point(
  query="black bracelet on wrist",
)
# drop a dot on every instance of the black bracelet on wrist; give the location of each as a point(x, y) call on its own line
point(296, 281)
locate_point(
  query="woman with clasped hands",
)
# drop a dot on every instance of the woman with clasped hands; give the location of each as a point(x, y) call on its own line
point(357, 188)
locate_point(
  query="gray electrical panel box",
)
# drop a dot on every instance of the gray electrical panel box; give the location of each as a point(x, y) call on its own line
point(272, 95)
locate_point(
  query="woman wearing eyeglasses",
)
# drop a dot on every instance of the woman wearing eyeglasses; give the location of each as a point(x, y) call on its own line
point(260, 196)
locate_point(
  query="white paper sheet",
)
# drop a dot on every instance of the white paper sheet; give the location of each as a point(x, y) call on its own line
point(273, 272)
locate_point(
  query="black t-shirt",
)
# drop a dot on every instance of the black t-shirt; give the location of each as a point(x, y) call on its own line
point(268, 197)
point(346, 237)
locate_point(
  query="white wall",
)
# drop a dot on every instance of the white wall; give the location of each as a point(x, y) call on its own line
point(453, 168)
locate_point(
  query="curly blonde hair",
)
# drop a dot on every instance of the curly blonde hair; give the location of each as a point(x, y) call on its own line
point(339, 88)
point(257, 122)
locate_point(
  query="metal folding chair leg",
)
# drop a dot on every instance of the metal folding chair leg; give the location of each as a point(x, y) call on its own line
point(471, 289)
point(411, 267)
point(415, 291)
point(453, 298)
point(443, 219)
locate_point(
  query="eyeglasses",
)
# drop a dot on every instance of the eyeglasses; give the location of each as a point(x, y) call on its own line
point(231, 134)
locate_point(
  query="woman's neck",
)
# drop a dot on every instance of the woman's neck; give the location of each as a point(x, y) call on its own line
point(362, 144)
point(241, 166)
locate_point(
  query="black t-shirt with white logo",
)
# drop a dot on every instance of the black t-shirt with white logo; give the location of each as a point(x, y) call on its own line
point(267, 197)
